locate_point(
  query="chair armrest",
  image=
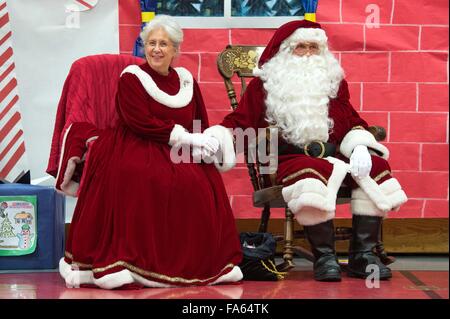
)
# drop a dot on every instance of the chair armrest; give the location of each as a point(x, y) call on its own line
point(269, 196)
point(378, 132)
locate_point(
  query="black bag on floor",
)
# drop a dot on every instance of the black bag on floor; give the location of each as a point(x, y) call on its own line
point(258, 257)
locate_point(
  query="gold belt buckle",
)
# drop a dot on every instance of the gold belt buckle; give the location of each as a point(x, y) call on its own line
point(322, 149)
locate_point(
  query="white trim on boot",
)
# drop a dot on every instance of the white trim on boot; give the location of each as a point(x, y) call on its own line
point(374, 192)
point(387, 196)
point(310, 216)
point(311, 192)
point(394, 192)
point(308, 192)
point(361, 204)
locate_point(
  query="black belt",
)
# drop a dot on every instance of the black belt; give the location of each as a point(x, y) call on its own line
point(314, 149)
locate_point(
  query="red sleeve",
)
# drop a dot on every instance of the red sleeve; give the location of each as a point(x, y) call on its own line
point(345, 117)
point(250, 111)
point(200, 109)
point(133, 109)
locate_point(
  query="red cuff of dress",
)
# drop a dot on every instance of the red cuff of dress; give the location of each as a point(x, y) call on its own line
point(75, 143)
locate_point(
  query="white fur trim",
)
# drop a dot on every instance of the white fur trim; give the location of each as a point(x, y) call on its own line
point(313, 202)
point(234, 275)
point(79, 277)
point(306, 35)
point(61, 155)
point(114, 280)
point(181, 99)
point(362, 205)
point(308, 192)
point(374, 192)
point(389, 195)
point(306, 185)
point(310, 216)
point(175, 134)
point(309, 200)
point(225, 159)
point(394, 192)
point(340, 170)
point(64, 268)
point(74, 278)
point(91, 140)
point(312, 192)
point(361, 137)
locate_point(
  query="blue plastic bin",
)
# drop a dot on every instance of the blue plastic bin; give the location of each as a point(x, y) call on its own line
point(50, 228)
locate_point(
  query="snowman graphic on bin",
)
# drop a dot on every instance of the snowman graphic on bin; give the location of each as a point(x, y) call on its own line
point(25, 237)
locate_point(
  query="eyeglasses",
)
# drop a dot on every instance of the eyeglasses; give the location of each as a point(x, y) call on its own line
point(154, 44)
point(304, 47)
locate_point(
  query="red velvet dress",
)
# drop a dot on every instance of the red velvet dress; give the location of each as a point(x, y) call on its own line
point(137, 210)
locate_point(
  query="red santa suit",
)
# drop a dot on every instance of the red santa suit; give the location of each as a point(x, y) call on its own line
point(320, 176)
point(140, 218)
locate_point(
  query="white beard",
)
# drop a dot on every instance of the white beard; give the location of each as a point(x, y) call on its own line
point(298, 93)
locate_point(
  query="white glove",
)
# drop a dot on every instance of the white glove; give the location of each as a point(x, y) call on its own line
point(200, 153)
point(360, 162)
point(209, 143)
point(197, 153)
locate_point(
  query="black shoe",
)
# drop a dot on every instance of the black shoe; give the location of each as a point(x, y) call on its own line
point(321, 238)
point(362, 260)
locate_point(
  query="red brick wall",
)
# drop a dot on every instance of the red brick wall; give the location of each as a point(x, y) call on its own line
point(398, 76)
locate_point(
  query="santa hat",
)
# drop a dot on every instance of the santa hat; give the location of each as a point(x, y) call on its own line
point(295, 31)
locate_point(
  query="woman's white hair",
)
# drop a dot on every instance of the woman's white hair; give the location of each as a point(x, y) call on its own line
point(167, 23)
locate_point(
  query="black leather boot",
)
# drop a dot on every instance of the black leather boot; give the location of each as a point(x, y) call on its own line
point(321, 238)
point(365, 232)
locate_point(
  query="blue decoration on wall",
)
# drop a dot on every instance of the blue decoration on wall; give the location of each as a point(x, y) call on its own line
point(310, 6)
point(148, 11)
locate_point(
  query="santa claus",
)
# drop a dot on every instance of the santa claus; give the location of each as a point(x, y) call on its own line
point(300, 88)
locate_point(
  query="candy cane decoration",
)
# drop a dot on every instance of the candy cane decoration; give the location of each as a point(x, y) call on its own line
point(81, 5)
point(13, 160)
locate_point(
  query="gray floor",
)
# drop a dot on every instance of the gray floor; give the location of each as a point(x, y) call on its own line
point(436, 263)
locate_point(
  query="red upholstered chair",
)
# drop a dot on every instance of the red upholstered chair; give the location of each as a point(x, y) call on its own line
point(88, 96)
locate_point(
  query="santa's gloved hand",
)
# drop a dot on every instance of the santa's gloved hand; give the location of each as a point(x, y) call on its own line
point(360, 162)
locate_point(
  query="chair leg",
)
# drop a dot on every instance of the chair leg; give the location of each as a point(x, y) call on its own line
point(379, 249)
point(288, 242)
point(265, 215)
